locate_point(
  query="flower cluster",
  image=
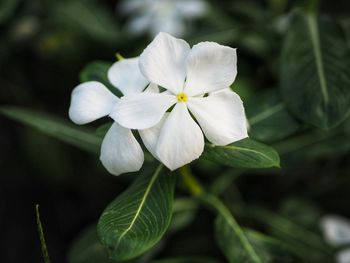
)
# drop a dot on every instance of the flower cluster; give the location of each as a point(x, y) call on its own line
point(173, 96)
point(162, 15)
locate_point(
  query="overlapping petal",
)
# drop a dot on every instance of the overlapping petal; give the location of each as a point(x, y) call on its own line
point(181, 140)
point(221, 116)
point(150, 136)
point(90, 101)
point(142, 111)
point(127, 77)
point(164, 62)
point(210, 67)
point(120, 151)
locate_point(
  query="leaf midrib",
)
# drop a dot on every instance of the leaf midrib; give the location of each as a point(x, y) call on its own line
point(143, 200)
point(315, 40)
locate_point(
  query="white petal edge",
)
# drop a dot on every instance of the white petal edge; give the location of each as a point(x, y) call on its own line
point(343, 256)
point(336, 230)
point(210, 67)
point(181, 140)
point(164, 62)
point(120, 151)
point(152, 88)
point(150, 136)
point(221, 116)
point(142, 111)
point(125, 75)
point(90, 101)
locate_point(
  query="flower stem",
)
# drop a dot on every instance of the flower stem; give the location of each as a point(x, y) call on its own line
point(192, 184)
point(41, 236)
point(212, 201)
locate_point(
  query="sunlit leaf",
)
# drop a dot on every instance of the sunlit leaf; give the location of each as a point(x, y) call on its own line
point(137, 219)
point(51, 125)
point(315, 71)
point(246, 153)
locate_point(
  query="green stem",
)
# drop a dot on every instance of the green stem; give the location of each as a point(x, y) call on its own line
point(41, 236)
point(197, 190)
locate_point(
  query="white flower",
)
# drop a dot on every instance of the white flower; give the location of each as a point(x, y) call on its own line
point(343, 256)
point(188, 75)
point(336, 231)
point(120, 151)
point(162, 15)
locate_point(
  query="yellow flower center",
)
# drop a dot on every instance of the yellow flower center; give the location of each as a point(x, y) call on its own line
point(181, 97)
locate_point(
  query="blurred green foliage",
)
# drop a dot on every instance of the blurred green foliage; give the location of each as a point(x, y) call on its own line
point(293, 64)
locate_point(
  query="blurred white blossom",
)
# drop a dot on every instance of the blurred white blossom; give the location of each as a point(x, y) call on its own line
point(336, 231)
point(197, 82)
point(169, 16)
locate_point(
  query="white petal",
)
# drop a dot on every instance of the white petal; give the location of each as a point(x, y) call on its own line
point(210, 67)
point(343, 256)
point(181, 140)
point(221, 116)
point(142, 111)
point(152, 88)
point(120, 151)
point(164, 62)
point(90, 101)
point(336, 230)
point(125, 75)
point(150, 136)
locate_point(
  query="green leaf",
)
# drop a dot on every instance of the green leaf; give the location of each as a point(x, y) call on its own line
point(94, 20)
point(187, 260)
point(305, 243)
point(137, 219)
point(228, 224)
point(51, 125)
point(268, 249)
point(246, 153)
point(315, 71)
point(268, 118)
point(97, 71)
point(7, 8)
point(184, 212)
point(87, 248)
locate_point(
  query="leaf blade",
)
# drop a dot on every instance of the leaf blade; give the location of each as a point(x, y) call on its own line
point(55, 127)
point(246, 153)
point(315, 73)
point(137, 219)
